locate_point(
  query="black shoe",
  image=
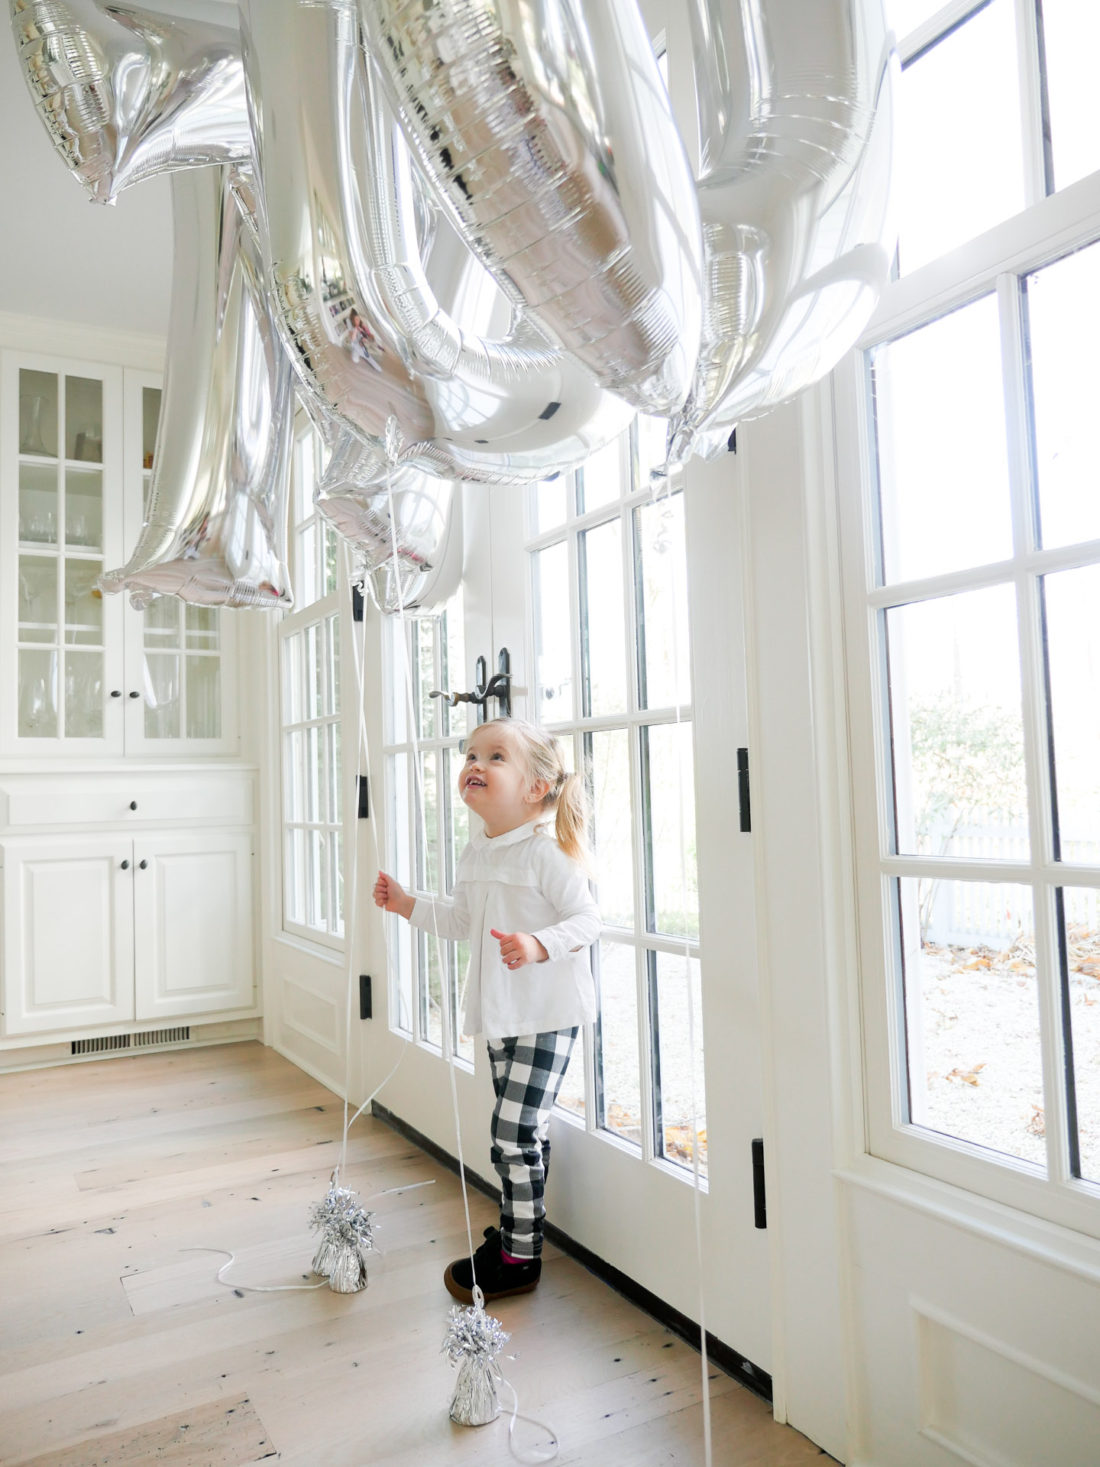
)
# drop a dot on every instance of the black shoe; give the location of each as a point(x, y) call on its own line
point(495, 1278)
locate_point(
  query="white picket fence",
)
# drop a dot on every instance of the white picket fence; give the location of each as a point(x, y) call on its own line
point(968, 913)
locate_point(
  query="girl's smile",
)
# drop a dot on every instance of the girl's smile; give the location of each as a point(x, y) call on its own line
point(495, 783)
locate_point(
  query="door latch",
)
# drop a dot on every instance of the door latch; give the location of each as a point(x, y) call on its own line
point(499, 686)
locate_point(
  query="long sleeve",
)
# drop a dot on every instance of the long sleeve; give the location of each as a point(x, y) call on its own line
point(449, 921)
point(565, 887)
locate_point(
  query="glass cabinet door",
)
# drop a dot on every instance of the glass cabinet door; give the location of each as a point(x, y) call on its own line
point(179, 647)
point(61, 628)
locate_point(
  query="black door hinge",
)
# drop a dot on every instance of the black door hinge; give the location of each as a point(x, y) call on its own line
point(363, 797)
point(366, 1007)
point(759, 1200)
point(743, 788)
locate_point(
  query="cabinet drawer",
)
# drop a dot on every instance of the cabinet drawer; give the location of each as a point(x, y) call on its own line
point(49, 801)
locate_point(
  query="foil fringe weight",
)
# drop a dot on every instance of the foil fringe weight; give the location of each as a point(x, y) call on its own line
point(347, 1236)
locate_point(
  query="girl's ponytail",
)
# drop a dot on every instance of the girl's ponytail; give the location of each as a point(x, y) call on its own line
point(571, 820)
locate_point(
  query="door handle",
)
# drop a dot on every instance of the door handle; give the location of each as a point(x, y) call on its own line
point(125, 865)
point(499, 686)
point(142, 865)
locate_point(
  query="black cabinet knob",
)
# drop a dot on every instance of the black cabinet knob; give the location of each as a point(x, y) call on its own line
point(116, 692)
point(133, 804)
point(142, 865)
point(125, 865)
point(135, 695)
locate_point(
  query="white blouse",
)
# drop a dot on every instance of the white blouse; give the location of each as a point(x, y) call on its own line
point(521, 881)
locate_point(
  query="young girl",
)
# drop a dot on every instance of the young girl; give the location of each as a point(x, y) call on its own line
point(522, 899)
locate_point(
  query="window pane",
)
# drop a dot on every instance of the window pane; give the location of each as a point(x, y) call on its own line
point(314, 673)
point(83, 603)
point(431, 989)
point(293, 675)
point(305, 564)
point(958, 120)
point(1071, 41)
point(550, 503)
point(38, 413)
point(553, 657)
point(678, 1089)
point(203, 698)
point(37, 599)
point(428, 859)
point(84, 419)
point(651, 439)
point(1081, 910)
point(609, 759)
point(972, 1013)
point(336, 871)
point(332, 641)
point(294, 876)
point(603, 629)
point(399, 820)
point(1073, 649)
point(294, 798)
point(956, 726)
point(661, 571)
point(84, 695)
point(400, 947)
point(162, 696)
point(458, 814)
point(202, 627)
point(317, 880)
point(455, 677)
point(600, 481)
point(424, 643)
point(460, 959)
point(1065, 386)
point(38, 695)
point(618, 1087)
point(942, 467)
point(83, 507)
point(673, 889)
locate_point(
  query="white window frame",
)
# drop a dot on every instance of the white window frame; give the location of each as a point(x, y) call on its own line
point(633, 494)
point(1051, 227)
point(315, 569)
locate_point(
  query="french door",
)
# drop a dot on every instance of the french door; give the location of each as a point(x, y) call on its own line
point(585, 582)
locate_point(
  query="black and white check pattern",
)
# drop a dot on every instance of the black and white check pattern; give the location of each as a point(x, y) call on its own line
point(527, 1073)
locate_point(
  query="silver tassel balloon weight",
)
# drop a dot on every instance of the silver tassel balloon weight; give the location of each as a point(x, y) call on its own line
point(346, 1238)
point(473, 1341)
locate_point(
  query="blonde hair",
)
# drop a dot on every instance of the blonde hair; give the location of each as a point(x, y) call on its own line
point(565, 795)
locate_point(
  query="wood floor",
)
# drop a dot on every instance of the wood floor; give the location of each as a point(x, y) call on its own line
point(119, 1346)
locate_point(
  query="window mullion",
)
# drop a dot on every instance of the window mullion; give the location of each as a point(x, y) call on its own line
point(1035, 119)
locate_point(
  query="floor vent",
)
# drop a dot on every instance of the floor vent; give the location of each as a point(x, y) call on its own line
point(111, 1043)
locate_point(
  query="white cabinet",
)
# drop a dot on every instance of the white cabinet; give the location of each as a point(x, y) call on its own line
point(68, 935)
point(82, 673)
point(142, 916)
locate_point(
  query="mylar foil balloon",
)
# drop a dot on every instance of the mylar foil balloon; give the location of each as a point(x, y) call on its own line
point(794, 106)
point(547, 129)
point(215, 524)
point(406, 533)
point(368, 339)
point(127, 93)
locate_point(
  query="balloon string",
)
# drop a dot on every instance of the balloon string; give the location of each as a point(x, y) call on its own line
point(535, 1455)
point(662, 487)
point(362, 747)
point(412, 713)
point(249, 1288)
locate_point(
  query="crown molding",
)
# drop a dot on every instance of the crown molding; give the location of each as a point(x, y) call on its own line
point(87, 343)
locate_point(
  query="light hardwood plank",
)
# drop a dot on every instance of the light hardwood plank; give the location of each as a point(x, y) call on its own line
point(118, 1344)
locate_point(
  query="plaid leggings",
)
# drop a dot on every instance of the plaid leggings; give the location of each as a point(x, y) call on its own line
point(527, 1073)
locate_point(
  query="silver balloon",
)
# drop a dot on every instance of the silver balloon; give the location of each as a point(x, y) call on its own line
point(795, 123)
point(369, 340)
point(127, 93)
point(546, 128)
point(215, 525)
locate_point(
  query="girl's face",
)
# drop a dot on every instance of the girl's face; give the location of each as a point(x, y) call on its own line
point(495, 783)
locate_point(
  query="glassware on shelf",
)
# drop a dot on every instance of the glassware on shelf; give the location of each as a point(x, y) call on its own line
point(88, 446)
point(31, 439)
point(38, 695)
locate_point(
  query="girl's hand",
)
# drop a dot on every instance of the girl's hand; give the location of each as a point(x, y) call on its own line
point(519, 948)
point(392, 896)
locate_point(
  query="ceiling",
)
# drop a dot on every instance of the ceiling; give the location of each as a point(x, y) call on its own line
point(63, 257)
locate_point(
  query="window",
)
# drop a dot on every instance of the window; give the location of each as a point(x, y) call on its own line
point(428, 819)
point(974, 614)
point(611, 676)
point(309, 650)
